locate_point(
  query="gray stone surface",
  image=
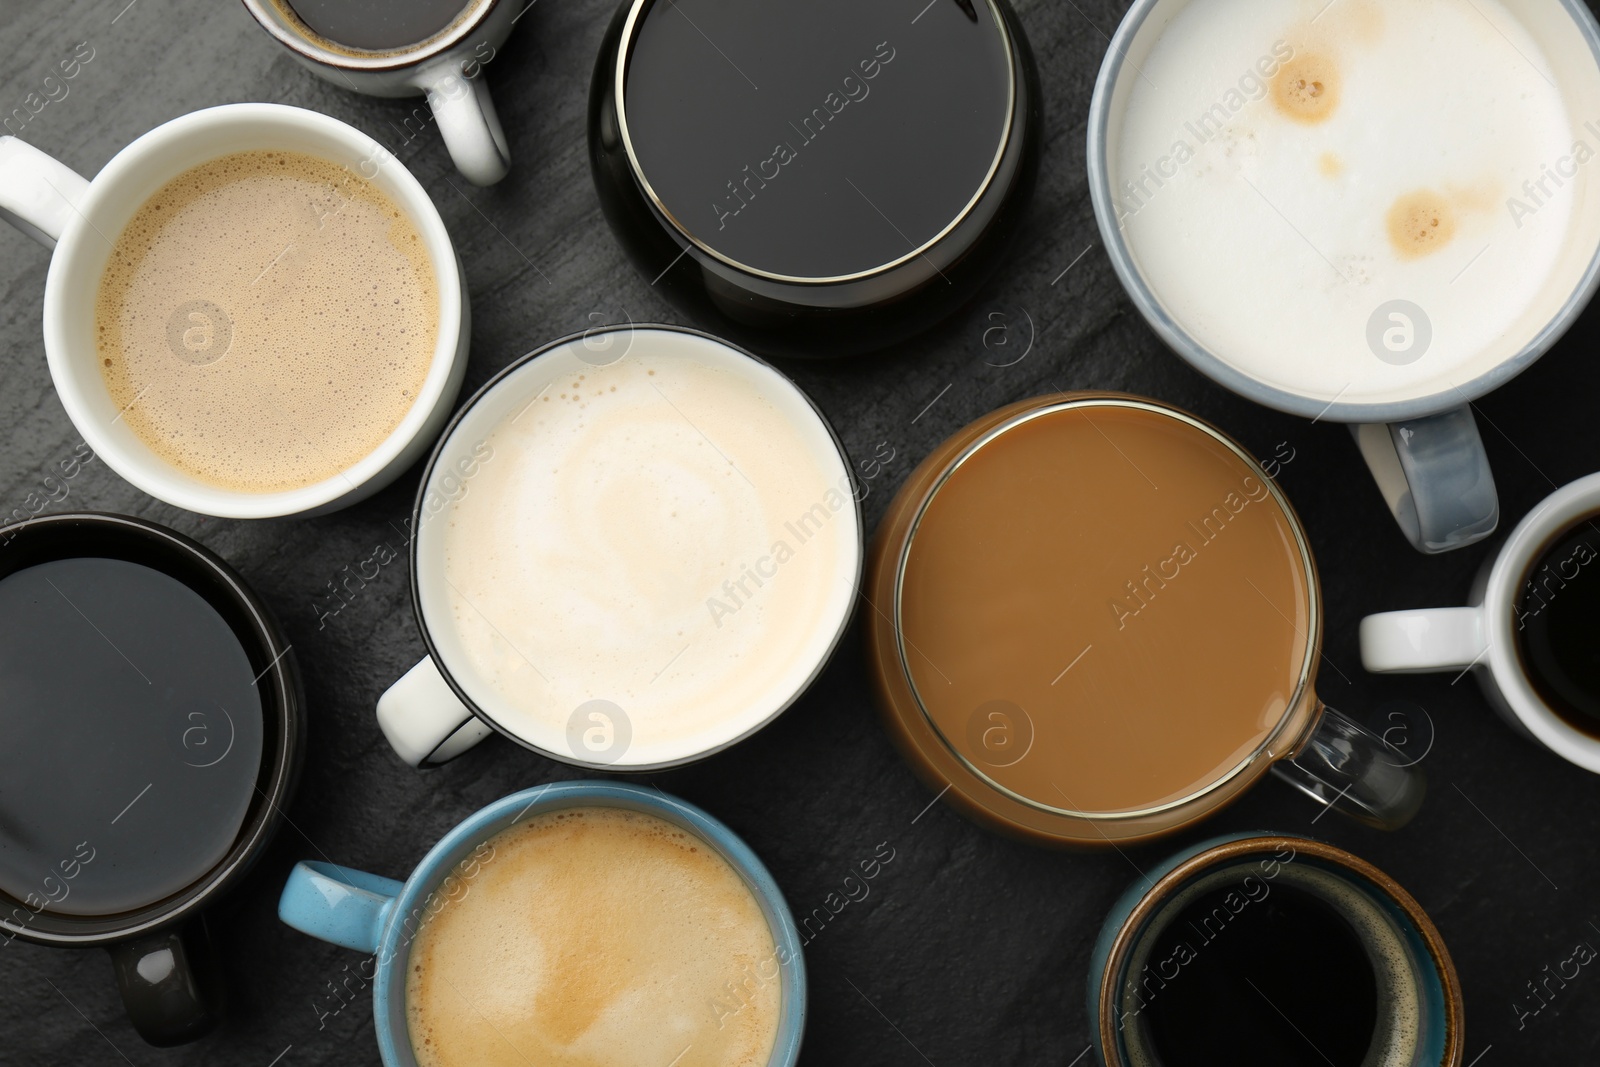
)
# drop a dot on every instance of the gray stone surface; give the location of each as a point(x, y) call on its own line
point(970, 949)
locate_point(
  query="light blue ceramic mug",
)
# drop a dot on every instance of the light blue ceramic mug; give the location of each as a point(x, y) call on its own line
point(381, 916)
point(1419, 1021)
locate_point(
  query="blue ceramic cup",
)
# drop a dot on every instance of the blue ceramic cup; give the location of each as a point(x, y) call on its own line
point(1419, 1022)
point(381, 916)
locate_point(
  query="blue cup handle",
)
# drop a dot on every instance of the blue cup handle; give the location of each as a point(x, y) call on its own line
point(337, 904)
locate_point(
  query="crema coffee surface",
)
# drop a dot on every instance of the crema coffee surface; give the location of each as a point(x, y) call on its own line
point(822, 139)
point(266, 320)
point(596, 936)
point(1105, 610)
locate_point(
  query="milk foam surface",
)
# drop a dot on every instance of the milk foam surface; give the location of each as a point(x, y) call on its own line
point(266, 321)
point(671, 535)
point(1269, 214)
point(596, 937)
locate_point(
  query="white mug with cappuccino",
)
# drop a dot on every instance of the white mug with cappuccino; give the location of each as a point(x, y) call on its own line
point(1366, 212)
point(252, 311)
point(633, 548)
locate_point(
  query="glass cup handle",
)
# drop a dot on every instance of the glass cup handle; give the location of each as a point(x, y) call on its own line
point(1435, 476)
point(1345, 766)
point(467, 122)
point(38, 194)
point(424, 720)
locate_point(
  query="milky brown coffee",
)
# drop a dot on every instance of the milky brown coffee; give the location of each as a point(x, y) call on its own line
point(266, 320)
point(595, 936)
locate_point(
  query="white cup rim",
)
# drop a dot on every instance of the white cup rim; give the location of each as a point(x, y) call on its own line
point(1537, 529)
point(1186, 345)
point(67, 369)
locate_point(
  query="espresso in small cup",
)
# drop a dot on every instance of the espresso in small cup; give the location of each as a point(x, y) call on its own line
point(1269, 951)
point(1527, 630)
point(367, 26)
point(595, 935)
point(1557, 636)
point(266, 320)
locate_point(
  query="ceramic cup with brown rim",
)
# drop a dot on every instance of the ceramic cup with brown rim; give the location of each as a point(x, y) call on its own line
point(1261, 948)
point(432, 48)
point(1096, 619)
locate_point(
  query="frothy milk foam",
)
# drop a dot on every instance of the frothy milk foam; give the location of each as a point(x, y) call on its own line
point(673, 533)
point(596, 936)
point(1286, 169)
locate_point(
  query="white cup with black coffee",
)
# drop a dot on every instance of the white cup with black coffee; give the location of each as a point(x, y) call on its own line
point(1527, 632)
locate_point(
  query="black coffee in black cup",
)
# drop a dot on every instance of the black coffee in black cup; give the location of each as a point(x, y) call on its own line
point(151, 736)
point(816, 178)
point(377, 25)
point(134, 734)
point(1287, 969)
point(1557, 625)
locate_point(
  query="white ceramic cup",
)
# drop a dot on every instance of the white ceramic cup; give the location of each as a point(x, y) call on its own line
point(1481, 637)
point(444, 68)
point(81, 219)
point(443, 706)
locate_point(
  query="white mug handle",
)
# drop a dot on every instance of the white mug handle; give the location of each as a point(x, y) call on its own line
point(1419, 642)
point(424, 720)
point(467, 121)
point(38, 194)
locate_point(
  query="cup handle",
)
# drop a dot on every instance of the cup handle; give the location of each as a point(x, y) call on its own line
point(171, 984)
point(1419, 642)
point(337, 904)
point(38, 194)
point(1435, 476)
point(1345, 766)
point(425, 721)
point(465, 113)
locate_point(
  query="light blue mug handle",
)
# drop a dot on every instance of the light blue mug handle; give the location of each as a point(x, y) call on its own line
point(337, 904)
point(1435, 476)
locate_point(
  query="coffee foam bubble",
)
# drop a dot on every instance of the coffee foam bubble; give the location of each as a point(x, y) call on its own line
point(596, 936)
point(266, 320)
point(669, 539)
point(1375, 168)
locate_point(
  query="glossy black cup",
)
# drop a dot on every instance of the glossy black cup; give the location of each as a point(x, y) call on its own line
point(162, 953)
point(800, 313)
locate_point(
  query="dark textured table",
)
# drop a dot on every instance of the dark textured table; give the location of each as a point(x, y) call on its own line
point(969, 949)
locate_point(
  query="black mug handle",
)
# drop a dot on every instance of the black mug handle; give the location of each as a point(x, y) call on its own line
point(171, 985)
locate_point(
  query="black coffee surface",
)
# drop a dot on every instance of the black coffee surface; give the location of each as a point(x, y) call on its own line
point(1557, 626)
point(1282, 981)
point(377, 25)
point(816, 138)
point(132, 736)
